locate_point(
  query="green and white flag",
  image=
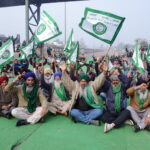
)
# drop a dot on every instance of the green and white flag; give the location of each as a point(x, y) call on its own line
point(47, 29)
point(74, 56)
point(110, 65)
point(136, 59)
point(102, 25)
point(22, 57)
point(148, 54)
point(70, 42)
point(27, 51)
point(6, 53)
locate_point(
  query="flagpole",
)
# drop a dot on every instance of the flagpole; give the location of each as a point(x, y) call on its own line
point(106, 53)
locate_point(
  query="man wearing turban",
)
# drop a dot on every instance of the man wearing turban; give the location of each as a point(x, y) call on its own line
point(32, 103)
point(60, 97)
point(85, 106)
point(8, 101)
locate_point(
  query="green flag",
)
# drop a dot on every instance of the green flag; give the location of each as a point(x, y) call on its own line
point(22, 57)
point(74, 56)
point(110, 65)
point(136, 59)
point(47, 29)
point(148, 54)
point(6, 52)
point(102, 25)
point(27, 51)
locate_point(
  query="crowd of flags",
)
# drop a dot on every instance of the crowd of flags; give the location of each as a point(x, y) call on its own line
point(101, 25)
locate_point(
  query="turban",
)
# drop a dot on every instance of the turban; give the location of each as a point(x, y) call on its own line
point(3, 78)
point(90, 61)
point(57, 74)
point(37, 59)
point(47, 70)
point(29, 74)
point(84, 76)
point(112, 77)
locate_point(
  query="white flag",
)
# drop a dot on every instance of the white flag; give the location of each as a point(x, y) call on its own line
point(74, 56)
point(148, 54)
point(27, 51)
point(110, 65)
point(102, 25)
point(47, 29)
point(136, 59)
point(6, 52)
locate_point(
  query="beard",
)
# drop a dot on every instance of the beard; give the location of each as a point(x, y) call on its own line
point(57, 84)
point(82, 91)
point(47, 79)
point(29, 88)
point(143, 95)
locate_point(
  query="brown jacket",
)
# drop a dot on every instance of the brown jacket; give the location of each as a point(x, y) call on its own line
point(23, 101)
point(134, 102)
point(74, 87)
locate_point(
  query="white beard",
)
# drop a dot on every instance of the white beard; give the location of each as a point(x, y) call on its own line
point(82, 91)
point(143, 95)
point(57, 84)
point(29, 88)
point(47, 79)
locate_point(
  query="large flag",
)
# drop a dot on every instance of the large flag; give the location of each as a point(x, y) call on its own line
point(148, 54)
point(74, 55)
point(27, 51)
point(6, 52)
point(102, 25)
point(47, 29)
point(136, 59)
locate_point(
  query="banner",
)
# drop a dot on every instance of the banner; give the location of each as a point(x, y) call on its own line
point(27, 51)
point(102, 25)
point(136, 59)
point(6, 53)
point(47, 29)
point(74, 56)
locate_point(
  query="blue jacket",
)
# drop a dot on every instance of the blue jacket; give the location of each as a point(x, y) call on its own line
point(107, 88)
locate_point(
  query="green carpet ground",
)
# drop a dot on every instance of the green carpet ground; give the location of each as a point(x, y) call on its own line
point(11, 135)
point(61, 133)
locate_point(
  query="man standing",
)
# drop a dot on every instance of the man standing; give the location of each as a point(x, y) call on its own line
point(85, 106)
point(8, 101)
point(30, 97)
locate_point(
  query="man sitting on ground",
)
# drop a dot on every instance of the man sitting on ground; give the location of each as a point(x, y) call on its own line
point(30, 97)
point(85, 106)
point(8, 101)
point(139, 103)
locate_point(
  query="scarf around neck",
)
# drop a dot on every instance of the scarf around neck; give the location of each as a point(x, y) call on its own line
point(117, 92)
point(32, 97)
point(61, 94)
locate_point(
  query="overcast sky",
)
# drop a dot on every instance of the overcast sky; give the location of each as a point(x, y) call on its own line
point(136, 25)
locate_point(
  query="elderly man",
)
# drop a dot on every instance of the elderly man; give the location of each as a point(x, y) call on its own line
point(85, 106)
point(116, 113)
point(8, 101)
point(30, 98)
point(139, 106)
point(60, 97)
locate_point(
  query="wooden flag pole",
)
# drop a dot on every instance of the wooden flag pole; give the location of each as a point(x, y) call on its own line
point(106, 53)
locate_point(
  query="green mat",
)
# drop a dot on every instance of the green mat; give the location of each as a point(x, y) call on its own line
point(63, 134)
point(11, 135)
